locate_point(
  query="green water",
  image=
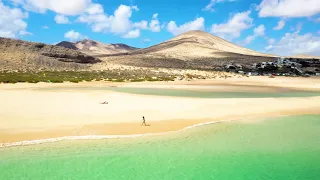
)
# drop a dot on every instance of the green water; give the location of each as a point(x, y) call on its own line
point(190, 93)
point(212, 94)
point(286, 148)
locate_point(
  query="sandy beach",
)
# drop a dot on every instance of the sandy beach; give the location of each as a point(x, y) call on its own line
point(38, 111)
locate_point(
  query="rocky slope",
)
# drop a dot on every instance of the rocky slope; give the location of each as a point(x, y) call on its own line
point(23, 55)
point(95, 48)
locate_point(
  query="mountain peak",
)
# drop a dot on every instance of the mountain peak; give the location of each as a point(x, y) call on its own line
point(195, 32)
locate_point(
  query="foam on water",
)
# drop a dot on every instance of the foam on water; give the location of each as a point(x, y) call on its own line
point(99, 137)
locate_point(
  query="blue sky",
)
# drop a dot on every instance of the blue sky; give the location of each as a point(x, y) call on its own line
point(284, 27)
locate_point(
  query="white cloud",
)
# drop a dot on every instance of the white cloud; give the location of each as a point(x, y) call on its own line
point(95, 9)
point(61, 19)
point(65, 7)
point(45, 27)
point(121, 20)
point(135, 8)
point(197, 24)
point(235, 25)
point(73, 35)
point(155, 16)
point(11, 22)
point(271, 41)
point(25, 33)
point(141, 25)
point(155, 24)
point(118, 23)
point(295, 43)
point(94, 20)
point(280, 25)
point(249, 39)
point(258, 31)
point(209, 7)
point(289, 8)
point(269, 47)
point(132, 34)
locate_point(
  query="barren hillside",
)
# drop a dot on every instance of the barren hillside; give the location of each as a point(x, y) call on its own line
point(306, 56)
point(194, 49)
point(94, 48)
point(195, 44)
point(23, 55)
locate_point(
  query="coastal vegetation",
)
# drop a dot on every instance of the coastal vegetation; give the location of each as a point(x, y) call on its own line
point(81, 76)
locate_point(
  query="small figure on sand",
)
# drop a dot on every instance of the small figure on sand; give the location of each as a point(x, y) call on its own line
point(143, 121)
point(104, 102)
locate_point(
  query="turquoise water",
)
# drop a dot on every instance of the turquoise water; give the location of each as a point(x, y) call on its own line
point(286, 148)
point(191, 93)
point(212, 94)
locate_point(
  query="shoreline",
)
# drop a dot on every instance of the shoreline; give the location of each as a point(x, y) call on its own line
point(122, 136)
point(35, 141)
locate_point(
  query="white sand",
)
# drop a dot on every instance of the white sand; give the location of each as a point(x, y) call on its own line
point(23, 109)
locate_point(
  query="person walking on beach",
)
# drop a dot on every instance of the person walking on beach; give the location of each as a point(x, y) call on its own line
point(143, 121)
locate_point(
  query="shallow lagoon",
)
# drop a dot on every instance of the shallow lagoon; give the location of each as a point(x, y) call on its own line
point(277, 148)
point(194, 93)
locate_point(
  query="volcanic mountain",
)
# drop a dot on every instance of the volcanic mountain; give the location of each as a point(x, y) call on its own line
point(193, 49)
point(91, 47)
point(195, 44)
point(29, 56)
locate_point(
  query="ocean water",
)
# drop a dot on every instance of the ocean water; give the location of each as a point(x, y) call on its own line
point(285, 148)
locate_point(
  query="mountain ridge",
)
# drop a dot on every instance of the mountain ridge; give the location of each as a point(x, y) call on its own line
point(191, 50)
point(23, 55)
point(203, 39)
point(92, 47)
